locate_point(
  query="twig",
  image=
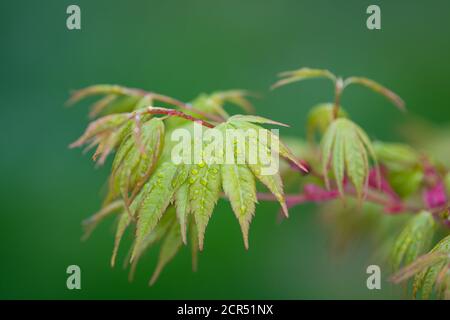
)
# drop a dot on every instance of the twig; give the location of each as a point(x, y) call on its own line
point(173, 101)
point(176, 113)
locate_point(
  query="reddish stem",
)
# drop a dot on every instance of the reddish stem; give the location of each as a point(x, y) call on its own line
point(337, 97)
point(176, 113)
point(323, 196)
point(173, 101)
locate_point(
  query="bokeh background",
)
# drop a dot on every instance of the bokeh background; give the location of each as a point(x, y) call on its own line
point(182, 48)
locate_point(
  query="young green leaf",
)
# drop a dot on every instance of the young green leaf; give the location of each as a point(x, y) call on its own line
point(271, 140)
point(406, 182)
point(396, 156)
point(272, 181)
point(204, 191)
point(340, 159)
point(136, 159)
point(356, 162)
point(102, 125)
point(255, 119)
point(414, 240)
point(100, 89)
point(447, 182)
point(378, 88)
point(183, 209)
point(92, 222)
point(194, 244)
point(425, 281)
point(154, 202)
point(101, 104)
point(346, 142)
point(124, 221)
point(327, 145)
point(320, 117)
point(236, 97)
point(239, 185)
point(170, 246)
point(430, 271)
point(302, 74)
point(214, 103)
point(160, 231)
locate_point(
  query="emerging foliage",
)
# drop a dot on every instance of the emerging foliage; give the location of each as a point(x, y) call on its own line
point(399, 179)
point(431, 272)
point(396, 195)
point(414, 239)
point(346, 146)
point(164, 201)
point(319, 118)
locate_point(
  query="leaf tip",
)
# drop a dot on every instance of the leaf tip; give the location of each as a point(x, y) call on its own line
point(154, 276)
point(284, 208)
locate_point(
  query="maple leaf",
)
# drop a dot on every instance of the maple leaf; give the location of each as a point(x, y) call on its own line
point(414, 239)
point(164, 201)
point(431, 272)
point(345, 147)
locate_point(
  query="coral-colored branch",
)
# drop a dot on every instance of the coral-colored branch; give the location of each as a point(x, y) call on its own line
point(314, 193)
point(176, 113)
point(173, 101)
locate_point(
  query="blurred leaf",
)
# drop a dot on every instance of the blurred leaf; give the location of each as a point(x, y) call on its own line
point(339, 158)
point(378, 88)
point(92, 222)
point(396, 156)
point(169, 248)
point(353, 224)
point(124, 221)
point(414, 239)
point(236, 97)
point(406, 183)
point(428, 138)
point(302, 74)
point(121, 104)
point(255, 119)
point(194, 244)
point(101, 104)
point(104, 124)
point(160, 231)
point(214, 103)
point(320, 117)
point(447, 182)
point(431, 272)
point(100, 89)
point(421, 263)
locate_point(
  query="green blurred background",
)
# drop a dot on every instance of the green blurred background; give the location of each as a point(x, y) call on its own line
point(182, 48)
